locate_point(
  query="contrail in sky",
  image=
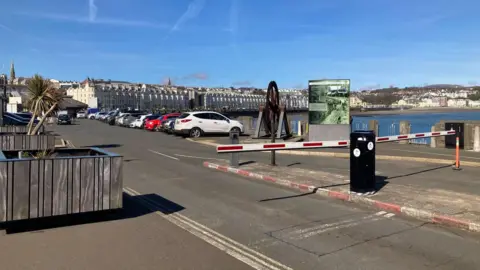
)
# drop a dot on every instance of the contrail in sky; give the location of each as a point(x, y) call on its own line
point(92, 10)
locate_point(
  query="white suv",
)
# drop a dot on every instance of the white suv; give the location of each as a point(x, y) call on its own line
point(195, 124)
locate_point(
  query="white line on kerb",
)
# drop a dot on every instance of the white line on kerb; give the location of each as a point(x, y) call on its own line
point(158, 153)
point(239, 251)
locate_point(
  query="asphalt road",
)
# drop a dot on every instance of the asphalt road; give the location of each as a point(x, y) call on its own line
point(133, 238)
point(295, 230)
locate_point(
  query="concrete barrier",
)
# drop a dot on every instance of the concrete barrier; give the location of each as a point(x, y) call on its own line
point(476, 139)
point(373, 125)
point(433, 140)
point(405, 128)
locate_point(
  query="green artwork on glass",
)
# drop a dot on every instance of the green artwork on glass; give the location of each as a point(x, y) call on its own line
point(328, 102)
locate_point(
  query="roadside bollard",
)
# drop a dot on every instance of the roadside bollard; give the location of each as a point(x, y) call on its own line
point(362, 161)
point(234, 139)
point(457, 154)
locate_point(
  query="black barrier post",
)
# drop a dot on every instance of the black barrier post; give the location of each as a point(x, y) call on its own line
point(273, 140)
point(234, 139)
point(362, 161)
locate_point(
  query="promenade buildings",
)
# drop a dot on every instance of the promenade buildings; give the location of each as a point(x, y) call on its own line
point(109, 94)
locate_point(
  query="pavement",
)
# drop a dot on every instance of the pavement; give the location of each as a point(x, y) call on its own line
point(384, 151)
point(133, 238)
point(261, 224)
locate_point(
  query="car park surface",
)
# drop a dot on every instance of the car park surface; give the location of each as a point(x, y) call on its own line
point(296, 229)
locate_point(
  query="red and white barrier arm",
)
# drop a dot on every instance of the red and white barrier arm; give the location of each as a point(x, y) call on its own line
point(255, 147)
point(414, 136)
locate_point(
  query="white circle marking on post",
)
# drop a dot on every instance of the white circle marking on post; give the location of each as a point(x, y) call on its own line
point(356, 152)
point(370, 146)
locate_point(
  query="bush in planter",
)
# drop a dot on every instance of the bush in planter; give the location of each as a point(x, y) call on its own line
point(43, 99)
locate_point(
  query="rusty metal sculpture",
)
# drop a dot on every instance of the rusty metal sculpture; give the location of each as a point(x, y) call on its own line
point(271, 111)
point(272, 117)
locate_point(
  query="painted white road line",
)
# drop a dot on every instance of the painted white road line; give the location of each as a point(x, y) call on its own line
point(178, 155)
point(369, 219)
point(241, 252)
point(310, 234)
point(328, 225)
point(158, 153)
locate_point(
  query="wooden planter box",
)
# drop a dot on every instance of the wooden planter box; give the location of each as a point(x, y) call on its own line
point(9, 142)
point(69, 181)
point(18, 129)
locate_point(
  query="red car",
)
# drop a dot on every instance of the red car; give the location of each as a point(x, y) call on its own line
point(154, 123)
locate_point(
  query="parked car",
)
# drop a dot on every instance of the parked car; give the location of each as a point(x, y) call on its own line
point(110, 117)
point(155, 124)
point(119, 120)
point(103, 117)
point(196, 124)
point(152, 124)
point(81, 114)
point(137, 123)
point(128, 120)
point(64, 119)
point(96, 115)
point(150, 118)
point(167, 126)
point(166, 118)
point(141, 122)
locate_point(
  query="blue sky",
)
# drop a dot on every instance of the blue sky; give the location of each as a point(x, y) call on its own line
point(244, 42)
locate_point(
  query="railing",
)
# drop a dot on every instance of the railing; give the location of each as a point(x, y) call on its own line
point(258, 147)
point(390, 130)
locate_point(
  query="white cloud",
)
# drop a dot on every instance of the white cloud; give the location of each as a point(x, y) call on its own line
point(88, 20)
point(233, 18)
point(4, 27)
point(193, 10)
point(98, 54)
point(92, 10)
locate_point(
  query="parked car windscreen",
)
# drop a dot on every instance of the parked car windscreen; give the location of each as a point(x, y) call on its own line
point(63, 117)
point(151, 117)
point(183, 115)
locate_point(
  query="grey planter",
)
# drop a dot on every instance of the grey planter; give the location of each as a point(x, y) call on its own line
point(10, 142)
point(74, 181)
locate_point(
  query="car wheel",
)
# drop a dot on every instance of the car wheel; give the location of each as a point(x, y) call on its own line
point(195, 132)
point(235, 129)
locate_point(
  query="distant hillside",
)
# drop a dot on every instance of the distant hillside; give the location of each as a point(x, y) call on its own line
point(416, 88)
point(444, 86)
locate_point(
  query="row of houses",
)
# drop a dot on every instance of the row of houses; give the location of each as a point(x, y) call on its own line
point(118, 94)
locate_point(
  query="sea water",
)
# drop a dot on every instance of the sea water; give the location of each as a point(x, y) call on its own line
point(389, 125)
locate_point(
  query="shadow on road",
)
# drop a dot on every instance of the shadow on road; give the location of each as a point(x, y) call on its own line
point(422, 171)
point(289, 197)
point(133, 207)
point(380, 182)
point(246, 163)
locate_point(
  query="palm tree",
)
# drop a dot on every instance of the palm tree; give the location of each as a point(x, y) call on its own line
point(43, 99)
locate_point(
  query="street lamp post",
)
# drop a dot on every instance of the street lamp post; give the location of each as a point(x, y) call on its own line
point(3, 82)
